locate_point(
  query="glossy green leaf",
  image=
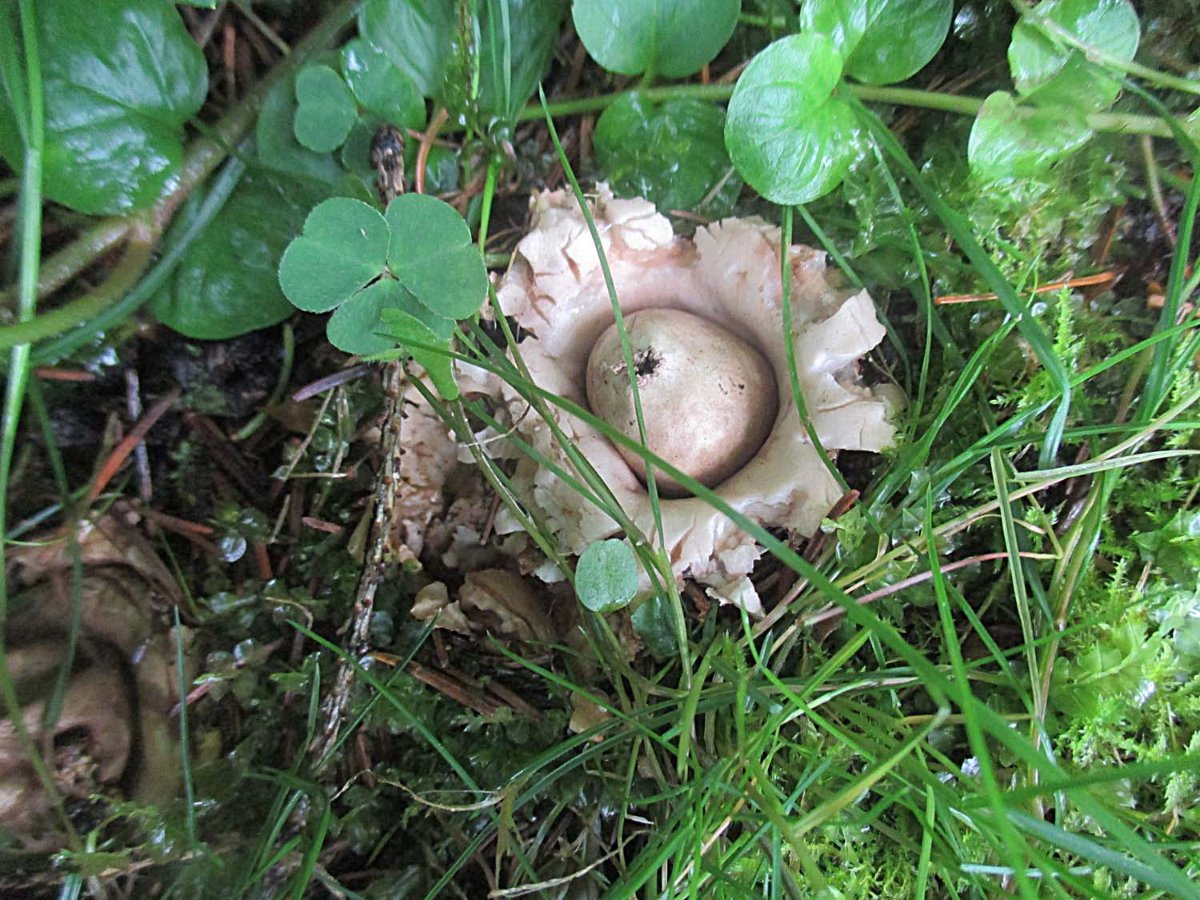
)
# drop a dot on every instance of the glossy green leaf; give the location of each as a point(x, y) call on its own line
point(882, 41)
point(515, 45)
point(325, 110)
point(671, 38)
point(381, 88)
point(432, 255)
point(1191, 125)
point(672, 153)
point(1005, 143)
point(1050, 73)
point(344, 246)
point(409, 331)
point(790, 138)
point(442, 169)
point(528, 40)
point(416, 35)
point(120, 80)
point(606, 577)
point(653, 623)
point(226, 285)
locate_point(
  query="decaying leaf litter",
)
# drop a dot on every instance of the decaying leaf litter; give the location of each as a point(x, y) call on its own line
point(526, 730)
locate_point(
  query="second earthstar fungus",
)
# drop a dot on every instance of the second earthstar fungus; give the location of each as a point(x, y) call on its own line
point(115, 732)
point(704, 317)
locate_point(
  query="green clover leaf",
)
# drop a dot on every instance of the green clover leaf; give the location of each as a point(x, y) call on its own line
point(404, 276)
point(325, 111)
point(342, 249)
point(359, 325)
point(432, 255)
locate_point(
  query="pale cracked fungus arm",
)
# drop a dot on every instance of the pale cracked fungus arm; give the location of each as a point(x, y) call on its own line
point(729, 276)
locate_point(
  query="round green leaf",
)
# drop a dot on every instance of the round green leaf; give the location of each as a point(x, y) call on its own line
point(672, 38)
point(227, 284)
point(380, 87)
point(442, 167)
point(1007, 143)
point(671, 153)
point(410, 331)
point(606, 577)
point(120, 78)
point(344, 246)
point(1050, 73)
point(789, 137)
point(655, 625)
point(416, 35)
point(325, 110)
point(432, 255)
point(882, 41)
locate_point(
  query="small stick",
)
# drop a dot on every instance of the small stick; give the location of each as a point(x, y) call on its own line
point(435, 125)
point(262, 561)
point(172, 523)
point(121, 453)
point(133, 406)
point(321, 385)
point(229, 58)
point(321, 525)
point(49, 373)
point(1082, 281)
point(334, 708)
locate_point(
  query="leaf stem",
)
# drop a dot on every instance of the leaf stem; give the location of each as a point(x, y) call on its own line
point(64, 265)
point(27, 100)
point(955, 103)
point(1121, 123)
point(124, 275)
point(580, 105)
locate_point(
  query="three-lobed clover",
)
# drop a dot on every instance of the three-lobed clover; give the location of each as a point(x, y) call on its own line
point(404, 276)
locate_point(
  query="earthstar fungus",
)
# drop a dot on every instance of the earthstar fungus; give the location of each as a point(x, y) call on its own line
point(688, 304)
point(115, 734)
